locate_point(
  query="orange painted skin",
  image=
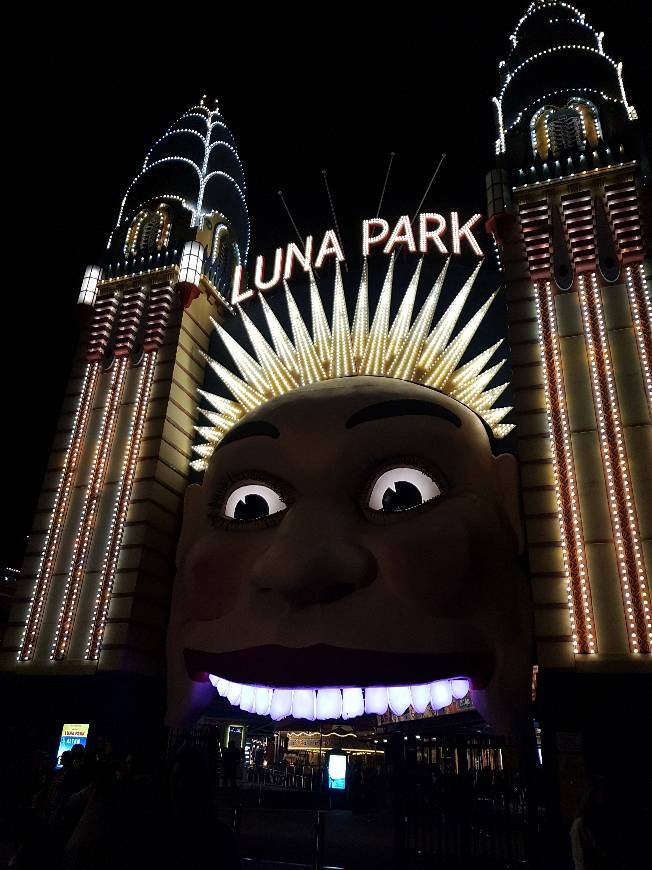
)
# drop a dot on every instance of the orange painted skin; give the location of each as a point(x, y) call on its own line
point(440, 580)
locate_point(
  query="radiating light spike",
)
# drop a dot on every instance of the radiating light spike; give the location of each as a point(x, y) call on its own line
point(342, 353)
point(203, 450)
point(473, 388)
point(279, 375)
point(494, 415)
point(209, 433)
point(218, 421)
point(248, 397)
point(440, 336)
point(199, 464)
point(401, 325)
point(321, 334)
point(474, 366)
point(502, 429)
point(250, 370)
point(405, 364)
point(225, 407)
point(485, 400)
point(282, 344)
point(375, 353)
point(360, 328)
point(310, 368)
point(449, 359)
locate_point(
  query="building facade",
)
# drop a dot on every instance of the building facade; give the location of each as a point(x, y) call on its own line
point(565, 204)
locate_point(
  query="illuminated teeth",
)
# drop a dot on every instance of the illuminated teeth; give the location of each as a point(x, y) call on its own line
point(352, 703)
point(420, 697)
point(399, 699)
point(441, 694)
point(335, 703)
point(303, 704)
point(281, 705)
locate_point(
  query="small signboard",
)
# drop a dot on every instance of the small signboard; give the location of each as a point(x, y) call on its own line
point(71, 735)
point(337, 771)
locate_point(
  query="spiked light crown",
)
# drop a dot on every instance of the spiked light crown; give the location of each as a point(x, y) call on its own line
point(413, 349)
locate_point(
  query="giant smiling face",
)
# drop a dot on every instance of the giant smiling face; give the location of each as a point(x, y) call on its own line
point(357, 533)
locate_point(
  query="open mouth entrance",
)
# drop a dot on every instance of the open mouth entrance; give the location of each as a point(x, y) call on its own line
point(333, 702)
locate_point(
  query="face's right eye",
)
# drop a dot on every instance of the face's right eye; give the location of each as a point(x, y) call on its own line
point(252, 501)
point(402, 489)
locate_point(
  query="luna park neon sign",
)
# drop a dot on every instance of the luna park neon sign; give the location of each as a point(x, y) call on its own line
point(433, 233)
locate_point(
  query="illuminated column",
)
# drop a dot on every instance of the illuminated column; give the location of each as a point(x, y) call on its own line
point(622, 507)
point(159, 310)
point(128, 321)
point(568, 510)
point(639, 302)
point(99, 331)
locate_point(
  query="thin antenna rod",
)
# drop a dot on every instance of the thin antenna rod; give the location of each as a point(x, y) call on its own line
point(382, 195)
point(430, 183)
point(332, 204)
point(285, 205)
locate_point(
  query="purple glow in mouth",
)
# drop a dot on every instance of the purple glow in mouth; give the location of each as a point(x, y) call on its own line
point(332, 702)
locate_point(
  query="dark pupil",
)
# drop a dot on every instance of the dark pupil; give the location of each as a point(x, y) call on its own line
point(252, 507)
point(403, 497)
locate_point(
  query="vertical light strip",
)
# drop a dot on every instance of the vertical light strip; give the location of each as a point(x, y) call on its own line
point(89, 510)
point(639, 303)
point(112, 552)
point(578, 589)
point(59, 512)
point(629, 556)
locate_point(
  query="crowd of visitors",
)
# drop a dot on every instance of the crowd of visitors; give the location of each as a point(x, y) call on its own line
point(102, 810)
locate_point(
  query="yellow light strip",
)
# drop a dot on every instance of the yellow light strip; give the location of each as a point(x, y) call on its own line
point(118, 519)
point(620, 497)
point(578, 588)
point(639, 302)
point(84, 534)
point(59, 511)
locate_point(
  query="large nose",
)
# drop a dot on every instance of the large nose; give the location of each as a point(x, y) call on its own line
point(315, 558)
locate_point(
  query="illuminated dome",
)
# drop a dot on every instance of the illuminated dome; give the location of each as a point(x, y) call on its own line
point(194, 163)
point(560, 91)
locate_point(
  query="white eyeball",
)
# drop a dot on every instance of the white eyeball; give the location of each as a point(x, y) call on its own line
point(401, 489)
point(253, 501)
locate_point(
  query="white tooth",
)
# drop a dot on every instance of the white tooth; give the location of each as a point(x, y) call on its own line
point(263, 698)
point(222, 687)
point(440, 694)
point(352, 703)
point(329, 703)
point(375, 700)
point(281, 705)
point(460, 688)
point(399, 699)
point(233, 693)
point(303, 704)
point(247, 699)
point(420, 697)
point(212, 679)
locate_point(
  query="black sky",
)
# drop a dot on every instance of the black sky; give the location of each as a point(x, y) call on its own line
point(303, 88)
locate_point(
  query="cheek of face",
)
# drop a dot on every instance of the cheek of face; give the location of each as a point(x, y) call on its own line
point(439, 559)
point(214, 579)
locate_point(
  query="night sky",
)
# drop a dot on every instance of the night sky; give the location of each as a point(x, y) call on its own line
point(329, 86)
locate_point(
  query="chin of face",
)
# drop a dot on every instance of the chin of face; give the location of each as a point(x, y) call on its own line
point(330, 594)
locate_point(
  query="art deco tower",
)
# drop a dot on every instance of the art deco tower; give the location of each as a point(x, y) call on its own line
point(96, 580)
point(565, 208)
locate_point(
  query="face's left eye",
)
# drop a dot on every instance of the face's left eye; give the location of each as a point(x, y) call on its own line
point(253, 501)
point(401, 489)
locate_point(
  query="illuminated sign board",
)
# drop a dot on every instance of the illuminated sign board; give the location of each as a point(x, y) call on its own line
point(423, 234)
point(71, 735)
point(337, 771)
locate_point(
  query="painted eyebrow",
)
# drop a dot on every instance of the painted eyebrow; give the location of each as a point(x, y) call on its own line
point(402, 408)
point(249, 430)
